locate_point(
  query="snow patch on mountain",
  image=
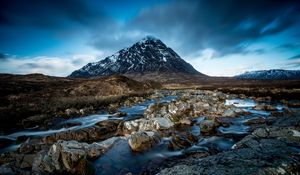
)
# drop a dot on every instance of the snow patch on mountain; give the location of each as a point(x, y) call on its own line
point(273, 74)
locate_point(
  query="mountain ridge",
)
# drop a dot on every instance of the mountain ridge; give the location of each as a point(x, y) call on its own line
point(272, 74)
point(148, 55)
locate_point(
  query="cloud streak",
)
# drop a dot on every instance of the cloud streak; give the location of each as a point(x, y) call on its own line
point(228, 27)
point(217, 24)
point(47, 14)
point(294, 57)
point(47, 65)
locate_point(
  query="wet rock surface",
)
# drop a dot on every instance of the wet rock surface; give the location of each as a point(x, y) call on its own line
point(143, 140)
point(259, 160)
point(270, 150)
point(70, 156)
point(153, 124)
point(101, 131)
point(181, 141)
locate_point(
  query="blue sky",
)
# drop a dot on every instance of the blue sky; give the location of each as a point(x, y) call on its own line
point(219, 38)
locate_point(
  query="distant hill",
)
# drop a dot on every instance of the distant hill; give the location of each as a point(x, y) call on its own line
point(273, 74)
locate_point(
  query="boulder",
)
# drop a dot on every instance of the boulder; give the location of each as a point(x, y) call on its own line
point(185, 121)
point(113, 107)
point(172, 108)
point(265, 107)
point(72, 111)
point(255, 121)
point(180, 141)
point(153, 124)
point(229, 113)
point(224, 121)
point(121, 114)
point(183, 106)
point(208, 126)
point(259, 155)
point(143, 140)
point(87, 110)
point(284, 134)
point(100, 131)
point(27, 161)
point(199, 107)
point(70, 156)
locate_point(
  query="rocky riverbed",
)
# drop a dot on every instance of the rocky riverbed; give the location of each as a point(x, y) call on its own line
point(170, 132)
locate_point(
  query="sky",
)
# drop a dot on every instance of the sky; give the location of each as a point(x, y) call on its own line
point(218, 37)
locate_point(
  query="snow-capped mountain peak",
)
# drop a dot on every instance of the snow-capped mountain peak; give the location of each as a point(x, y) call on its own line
point(148, 55)
point(272, 74)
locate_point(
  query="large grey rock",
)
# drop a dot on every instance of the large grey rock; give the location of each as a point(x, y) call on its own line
point(153, 124)
point(100, 131)
point(181, 141)
point(273, 157)
point(27, 161)
point(70, 156)
point(265, 107)
point(229, 113)
point(143, 140)
point(172, 108)
point(271, 150)
point(286, 134)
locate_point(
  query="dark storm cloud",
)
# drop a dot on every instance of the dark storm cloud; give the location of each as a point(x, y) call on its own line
point(226, 26)
point(3, 56)
point(294, 57)
point(47, 14)
point(289, 46)
point(189, 26)
point(294, 61)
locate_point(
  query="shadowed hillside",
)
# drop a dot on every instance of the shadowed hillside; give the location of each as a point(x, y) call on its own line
point(24, 96)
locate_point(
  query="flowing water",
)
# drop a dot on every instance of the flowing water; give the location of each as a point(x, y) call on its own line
point(120, 159)
point(133, 112)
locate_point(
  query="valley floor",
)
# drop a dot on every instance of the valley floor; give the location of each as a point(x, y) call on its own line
point(182, 129)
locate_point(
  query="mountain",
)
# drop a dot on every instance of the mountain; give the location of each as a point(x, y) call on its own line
point(150, 55)
point(273, 74)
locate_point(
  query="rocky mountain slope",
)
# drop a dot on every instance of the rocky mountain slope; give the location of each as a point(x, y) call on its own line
point(150, 55)
point(273, 74)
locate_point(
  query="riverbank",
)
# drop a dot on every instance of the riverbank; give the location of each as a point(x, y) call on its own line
point(28, 101)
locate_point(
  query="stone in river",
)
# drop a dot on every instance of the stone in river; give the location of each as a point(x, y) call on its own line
point(143, 140)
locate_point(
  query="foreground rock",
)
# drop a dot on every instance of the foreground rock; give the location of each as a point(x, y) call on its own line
point(70, 156)
point(101, 131)
point(153, 124)
point(272, 157)
point(181, 141)
point(63, 157)
point(208, 126)
point(270, 150)
point(142, 141)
